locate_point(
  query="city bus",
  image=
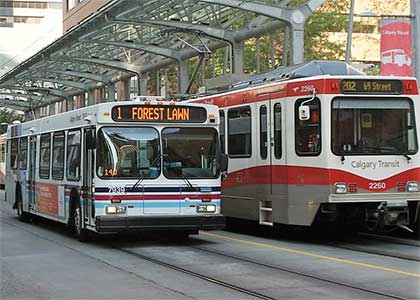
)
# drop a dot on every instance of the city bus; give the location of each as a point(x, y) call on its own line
point(321, 143)
point(120, 166)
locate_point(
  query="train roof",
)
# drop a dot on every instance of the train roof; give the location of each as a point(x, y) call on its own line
point(307, 69)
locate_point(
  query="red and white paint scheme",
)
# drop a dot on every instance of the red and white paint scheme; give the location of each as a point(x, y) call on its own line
point(132, 165)
point(2, 159)
point(306, 149)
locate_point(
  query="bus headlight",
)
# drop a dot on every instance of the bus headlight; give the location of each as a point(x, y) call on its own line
point(206, 208)
point(340, 188)
point(116, 209)
point(412, 186)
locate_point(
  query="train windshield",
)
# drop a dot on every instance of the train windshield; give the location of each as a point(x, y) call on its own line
point(373, 126)
point(189, 152)
point(128, 152)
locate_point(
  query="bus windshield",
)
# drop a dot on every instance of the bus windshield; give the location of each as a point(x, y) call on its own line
point(189, 152)
point(128, 152)
point(373, 126)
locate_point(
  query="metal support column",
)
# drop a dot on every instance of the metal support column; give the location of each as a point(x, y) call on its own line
point(143, 85)
point(111, 92)
point(238, 58)
point(183, 78)
point(297, 44)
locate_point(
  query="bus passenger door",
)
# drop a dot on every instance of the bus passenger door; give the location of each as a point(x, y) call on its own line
point(88, 165)
point(31, 171)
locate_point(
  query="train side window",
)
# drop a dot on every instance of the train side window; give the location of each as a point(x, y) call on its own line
point(73, 155)
point(14, 154)
point(44, 159)
point(277, 131)
point(58, 156)
point(239, 132)
point(308, 132)
point(263, 132)
point(222, 131)
point(23, 153)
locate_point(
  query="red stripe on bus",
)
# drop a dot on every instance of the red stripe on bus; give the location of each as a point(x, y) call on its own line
point(172, 197)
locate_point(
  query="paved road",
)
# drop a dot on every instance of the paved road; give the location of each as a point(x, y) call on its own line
point(40, 261)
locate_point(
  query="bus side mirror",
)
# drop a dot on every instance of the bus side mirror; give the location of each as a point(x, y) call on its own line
point(304, 113)
point(224, 163)
point(90, 139)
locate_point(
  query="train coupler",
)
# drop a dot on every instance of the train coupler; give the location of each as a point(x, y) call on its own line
point(389, 213)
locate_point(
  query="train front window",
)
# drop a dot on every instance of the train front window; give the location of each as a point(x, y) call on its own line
point(128, 152)
point(373, 126)
point(189, 152)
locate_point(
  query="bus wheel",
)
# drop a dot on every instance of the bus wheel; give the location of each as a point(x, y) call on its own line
point(81, 233)
point(23, 215)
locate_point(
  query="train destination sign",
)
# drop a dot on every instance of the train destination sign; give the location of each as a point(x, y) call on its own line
point(371, 86)
point(159, 113)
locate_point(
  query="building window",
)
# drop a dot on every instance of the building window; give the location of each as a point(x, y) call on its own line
point(23, 4)
point(58, 156)
point(27, 20)
point(23, 153)
point(263, 132)
point(71, 4)
point(73, 155)
point(44, 163)
point(308, 132)
point(239, 132)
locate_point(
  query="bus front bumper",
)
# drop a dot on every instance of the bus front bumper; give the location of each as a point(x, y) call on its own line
point(145, 223)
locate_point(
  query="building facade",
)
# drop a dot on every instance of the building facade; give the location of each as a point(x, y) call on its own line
point(75, 11)
point(25, 28)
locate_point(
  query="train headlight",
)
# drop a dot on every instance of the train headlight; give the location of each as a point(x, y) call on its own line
point(412, 186)
point(116, 209)
point(210, 208)
point(340, 188)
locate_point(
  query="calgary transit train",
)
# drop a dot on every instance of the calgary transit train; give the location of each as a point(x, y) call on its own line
point(321, 142)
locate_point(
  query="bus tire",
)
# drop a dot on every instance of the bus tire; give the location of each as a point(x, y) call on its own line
point(23, 215)
point(81, 233)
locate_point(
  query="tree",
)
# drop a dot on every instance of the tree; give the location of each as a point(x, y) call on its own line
point(7, 116)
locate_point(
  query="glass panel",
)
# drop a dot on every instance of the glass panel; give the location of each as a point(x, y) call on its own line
point(189, 152)
point(13, 154)
point(73, 155)
point(23, 153)
point(239, 127)
point(374, 126)
point(58, 156)
point(222, 131)
point(263, 132)
point(128, 152)
point(44, 164)
point(277, 131)
point(308, 132)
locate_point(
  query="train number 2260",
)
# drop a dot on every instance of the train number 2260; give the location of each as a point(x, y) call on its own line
point(377, 185)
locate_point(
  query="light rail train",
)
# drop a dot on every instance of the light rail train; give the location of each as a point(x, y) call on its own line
point(132, 165)
point(319, 143)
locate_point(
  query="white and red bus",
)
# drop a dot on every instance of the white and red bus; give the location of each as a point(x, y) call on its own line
point(306, 148)
point(2, 159)
point(133, 165)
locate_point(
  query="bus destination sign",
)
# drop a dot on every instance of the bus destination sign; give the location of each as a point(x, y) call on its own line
point(159, 113)
point(371, 86)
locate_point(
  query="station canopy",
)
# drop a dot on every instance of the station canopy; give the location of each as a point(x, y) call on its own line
point(127, 38)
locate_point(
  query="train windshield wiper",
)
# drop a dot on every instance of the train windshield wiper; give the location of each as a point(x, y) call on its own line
point(141, 175)
point(390, 150)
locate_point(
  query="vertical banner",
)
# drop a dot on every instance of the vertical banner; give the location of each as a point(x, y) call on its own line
point(396, 47)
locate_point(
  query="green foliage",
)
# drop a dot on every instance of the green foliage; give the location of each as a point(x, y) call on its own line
point(8, 116)
point(327, 19)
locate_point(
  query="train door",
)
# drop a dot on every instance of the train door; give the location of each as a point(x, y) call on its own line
point(31, 171)
point(88, 165)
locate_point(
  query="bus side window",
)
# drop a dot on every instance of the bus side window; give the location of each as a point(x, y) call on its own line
point(308, 132)
point(44, 159)
point(239, 132)
point(73, 155)
point(14, 154)
point(222, 131)
point(23, 153)
point(58, 156)
point(2, 153)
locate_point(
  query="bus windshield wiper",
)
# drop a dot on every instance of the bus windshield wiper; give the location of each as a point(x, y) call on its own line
point(141, 175)
point(187, 181)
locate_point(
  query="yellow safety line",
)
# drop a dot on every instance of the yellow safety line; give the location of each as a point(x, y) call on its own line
point(345, 261)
